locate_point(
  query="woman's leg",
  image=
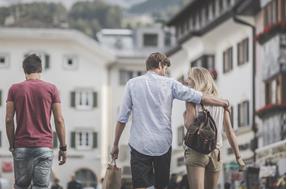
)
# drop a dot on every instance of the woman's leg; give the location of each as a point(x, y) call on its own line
point(195, 177)
point(211, 179)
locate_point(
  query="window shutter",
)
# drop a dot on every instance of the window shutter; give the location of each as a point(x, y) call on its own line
point(247, 109)
point(95, 99)
point(55, 140)
point(47, 62)
point(238, 115)
point(95, 139)
point(0, 98)
point(232, 116)
point(247, 49)
point(0, 138)
point(73, 99)
point(73, 139)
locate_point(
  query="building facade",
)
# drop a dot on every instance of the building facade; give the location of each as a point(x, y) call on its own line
point(77, 66)
point(271, 90)
point(209, 36)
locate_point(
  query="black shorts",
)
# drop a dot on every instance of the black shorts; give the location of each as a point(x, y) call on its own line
point(150, 170)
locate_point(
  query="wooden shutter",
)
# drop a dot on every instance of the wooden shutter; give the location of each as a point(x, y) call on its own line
point(95, 99)
point(73, 99)
point(238, 115)
point(0, 97)
point(55, 140)
point(247, 109)
point(73, 139)
point(95, 139)
point(47, 61)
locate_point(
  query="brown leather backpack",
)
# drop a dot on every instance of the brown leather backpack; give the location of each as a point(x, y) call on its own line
point(201, 135)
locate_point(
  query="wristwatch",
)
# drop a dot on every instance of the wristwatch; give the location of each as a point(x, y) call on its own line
point(63, 148)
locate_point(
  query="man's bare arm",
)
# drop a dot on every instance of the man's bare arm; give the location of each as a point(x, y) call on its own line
point(214, 101)
point(118, 132)
point(9, 120)
point(60, 129)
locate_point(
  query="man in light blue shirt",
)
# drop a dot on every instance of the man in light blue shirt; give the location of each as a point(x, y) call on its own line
point(149, 98)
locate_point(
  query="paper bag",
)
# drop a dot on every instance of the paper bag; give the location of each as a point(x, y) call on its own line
point(112, 178)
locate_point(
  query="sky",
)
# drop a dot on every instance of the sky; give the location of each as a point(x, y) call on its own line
point(69, 3)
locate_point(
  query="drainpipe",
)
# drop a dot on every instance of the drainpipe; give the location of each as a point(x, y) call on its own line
point(254, 127)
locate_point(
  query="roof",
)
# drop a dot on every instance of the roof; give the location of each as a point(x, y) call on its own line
point(57, 34)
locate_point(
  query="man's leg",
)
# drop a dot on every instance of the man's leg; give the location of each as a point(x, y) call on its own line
point(162, 170)
point(142, 170)
point(42, 168)
point(22, 168)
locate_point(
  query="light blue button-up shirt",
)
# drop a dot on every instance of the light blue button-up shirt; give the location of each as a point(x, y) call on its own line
point(149, 98)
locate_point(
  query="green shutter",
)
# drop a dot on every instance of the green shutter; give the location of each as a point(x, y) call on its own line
point(73, 139)
point(0, 138)
point(95, 139)
point(47, 62)
point(55, 140)
point(73, 99)
point(238, 115)
point(0, 98)
point(95, 99)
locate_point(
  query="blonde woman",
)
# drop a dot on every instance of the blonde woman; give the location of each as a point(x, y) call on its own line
point(203, 170)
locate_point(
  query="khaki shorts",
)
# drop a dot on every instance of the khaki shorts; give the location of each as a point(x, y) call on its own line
point(211, 162)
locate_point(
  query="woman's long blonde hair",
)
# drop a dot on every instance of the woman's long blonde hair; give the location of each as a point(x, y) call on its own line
point(201, 80)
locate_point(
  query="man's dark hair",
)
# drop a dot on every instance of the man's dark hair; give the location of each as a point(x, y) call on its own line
point(32, 64)
point(155, 59)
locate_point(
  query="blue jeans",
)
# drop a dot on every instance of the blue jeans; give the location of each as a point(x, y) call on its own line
point(32, 167)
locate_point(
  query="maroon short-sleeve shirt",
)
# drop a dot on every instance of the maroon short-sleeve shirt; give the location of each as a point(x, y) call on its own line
point(33, 100)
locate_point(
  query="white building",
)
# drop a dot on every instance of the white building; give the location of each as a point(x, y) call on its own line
point(78, 67)
point(208, 36)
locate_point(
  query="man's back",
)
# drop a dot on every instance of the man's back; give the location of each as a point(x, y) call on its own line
point(149, 98)
point(33, 101)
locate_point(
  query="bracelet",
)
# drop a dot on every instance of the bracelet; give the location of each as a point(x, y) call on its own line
point(63, 148)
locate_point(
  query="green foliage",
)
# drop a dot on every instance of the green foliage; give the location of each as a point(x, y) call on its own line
point(86, 16)
point(159, 9)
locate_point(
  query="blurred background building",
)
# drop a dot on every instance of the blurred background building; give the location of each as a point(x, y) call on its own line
point(90, 49)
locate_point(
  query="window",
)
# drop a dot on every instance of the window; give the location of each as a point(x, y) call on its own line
point(84, 99)
point(274, 12)
point(125, 75)
point(205, 61)
point(242, 52)
point(227, 60)
point(180, 135)
point(228, 2)
point(220, 6)
point(275, 90)
point(150, 40)
point(45, 58)
point(243, 114)
point(70, 62)
point(84, 140)
point(4, 60)
point(167, 39)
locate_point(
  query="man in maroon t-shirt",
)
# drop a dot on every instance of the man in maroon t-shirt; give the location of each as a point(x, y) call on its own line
point(33, 101)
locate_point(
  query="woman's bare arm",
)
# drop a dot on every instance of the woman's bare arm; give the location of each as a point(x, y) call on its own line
point(232, 139)
point(189, 114)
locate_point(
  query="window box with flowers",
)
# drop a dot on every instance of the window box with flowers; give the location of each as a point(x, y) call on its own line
point(270, 109)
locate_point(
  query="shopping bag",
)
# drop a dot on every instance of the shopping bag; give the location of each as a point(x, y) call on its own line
point(112, 178)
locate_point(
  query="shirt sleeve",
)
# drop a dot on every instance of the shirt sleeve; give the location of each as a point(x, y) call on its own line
point(126, 106)
point(185, 93)
point(10, 97)
point(56, 96)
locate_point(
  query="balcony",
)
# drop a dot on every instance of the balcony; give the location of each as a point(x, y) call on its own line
point(270, 109)
point(270, 30)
